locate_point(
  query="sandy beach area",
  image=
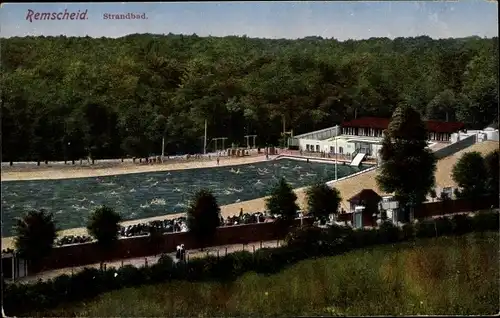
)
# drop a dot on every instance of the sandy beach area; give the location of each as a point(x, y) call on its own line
point(348, 187)
point(61, 171)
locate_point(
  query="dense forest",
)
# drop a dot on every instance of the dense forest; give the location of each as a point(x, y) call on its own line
point(67, 97)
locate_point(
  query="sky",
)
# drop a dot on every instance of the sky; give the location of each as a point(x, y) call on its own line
point(291, 20)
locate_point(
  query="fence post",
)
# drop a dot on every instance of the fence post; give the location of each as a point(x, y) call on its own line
point(253, 248)
point(122, 263)
point(207, 253)
point(226, 250)
point(260, 244)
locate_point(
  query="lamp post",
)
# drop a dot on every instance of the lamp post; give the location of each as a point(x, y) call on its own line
point(70, 152)
point(336, 150)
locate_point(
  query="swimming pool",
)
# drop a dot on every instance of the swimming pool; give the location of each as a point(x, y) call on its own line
point(142, 195)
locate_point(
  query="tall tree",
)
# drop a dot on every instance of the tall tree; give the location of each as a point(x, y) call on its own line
point(471, 175)
point(35, 235)
point(282, 202)
point(103, 225)
point(408, 166)
point(203, 217)
point(323, 201)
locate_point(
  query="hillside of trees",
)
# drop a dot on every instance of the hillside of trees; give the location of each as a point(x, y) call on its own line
point(66, 97)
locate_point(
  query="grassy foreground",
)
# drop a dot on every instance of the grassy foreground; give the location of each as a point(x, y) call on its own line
point(447, 275)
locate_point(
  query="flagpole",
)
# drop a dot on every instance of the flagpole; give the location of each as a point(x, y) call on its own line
point(205, 139)
point(336, 150)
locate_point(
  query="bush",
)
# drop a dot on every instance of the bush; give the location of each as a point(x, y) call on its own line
point(307, 238)
point(338, 231)
point(82, 284)
point(264, 262)
point(426, 229)
point(408, 232)
point(363, 237)
point(233, 265)
point(486, 221)
point(389, 233)
point(129, 276)
point(163, 270)
point(444, 226)
point(61, 286)
point(462, 224)
point(165, 260)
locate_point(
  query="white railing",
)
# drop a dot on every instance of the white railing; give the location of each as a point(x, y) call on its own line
point(351, 175)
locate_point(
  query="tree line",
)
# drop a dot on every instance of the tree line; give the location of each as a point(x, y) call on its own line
point(68, 98)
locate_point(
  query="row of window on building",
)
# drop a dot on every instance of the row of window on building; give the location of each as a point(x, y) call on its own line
point(312, 148)
point(368, 132)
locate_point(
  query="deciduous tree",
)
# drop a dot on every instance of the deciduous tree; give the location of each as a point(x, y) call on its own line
point(471, 175)
point(282, 202)
point(35, 235)
point(103, 225)
point(203, 216)
point(322, 201)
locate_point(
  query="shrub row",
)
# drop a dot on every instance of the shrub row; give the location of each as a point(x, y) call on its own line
point(301, 244)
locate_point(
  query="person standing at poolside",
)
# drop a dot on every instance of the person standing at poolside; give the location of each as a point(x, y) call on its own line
point(178, 252)
point(183, 253)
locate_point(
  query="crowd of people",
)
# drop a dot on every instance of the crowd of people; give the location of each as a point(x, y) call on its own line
point(73, 239)
point(162, 226)
point(247, 218)
point(7, 251)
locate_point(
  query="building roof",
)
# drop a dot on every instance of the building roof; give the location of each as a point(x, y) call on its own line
point(368, 122)
point(444, 127)
point(383, 123)
point(365, 195)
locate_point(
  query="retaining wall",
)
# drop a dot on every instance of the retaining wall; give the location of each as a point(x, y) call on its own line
point(455, 147)
point(89, 253)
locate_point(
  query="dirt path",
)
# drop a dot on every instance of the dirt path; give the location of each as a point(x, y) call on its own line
point(150, 260)
point(61, 171)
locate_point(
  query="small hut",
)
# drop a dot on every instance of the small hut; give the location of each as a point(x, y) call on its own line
point(363, 207)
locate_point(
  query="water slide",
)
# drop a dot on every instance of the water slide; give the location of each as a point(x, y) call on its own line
point(357, 160)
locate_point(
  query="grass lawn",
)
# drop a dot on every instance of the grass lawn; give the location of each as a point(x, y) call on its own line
point(448, 275)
